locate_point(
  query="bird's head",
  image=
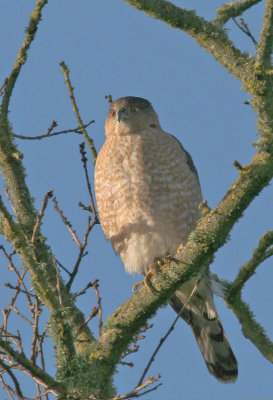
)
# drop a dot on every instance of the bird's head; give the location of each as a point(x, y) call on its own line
point(130, 114)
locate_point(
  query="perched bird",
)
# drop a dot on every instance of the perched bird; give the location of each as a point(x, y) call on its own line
point(148, 192)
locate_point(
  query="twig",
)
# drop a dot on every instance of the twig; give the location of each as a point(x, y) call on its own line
point(93, 313)
point(90, 142)
point(84, 162)
point(81, 252)
point(162, 340)
point(7, 388)
point(136, 390)
point(35, 334)
point(15, 309)
point(133, 349)
point(14, 379)
point(40, 215)
point(96, 287)
point(83, 291)
point(17, 288)
point(34, 370)
point(51, 127)
point(10, 286)
point(108, 97)
point(63, 267)
point(66, 222)
point(58, 285)
point(244, 28)
point(128, 364)
point(50, 134)
point(10, 200)
point(20, 277)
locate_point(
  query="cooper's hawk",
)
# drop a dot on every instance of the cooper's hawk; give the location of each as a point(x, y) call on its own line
point(148, 192)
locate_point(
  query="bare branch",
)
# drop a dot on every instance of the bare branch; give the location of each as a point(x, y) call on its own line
point(83, 291)
point(8, 369)
point(58, 281)
point(48, 134)
point(89, 141)
point(93, 313)
point(96, 287)
point(81, 252)
point(34, 370)
point(40, 215)
point(66, 222)
point(84, 161)
point(137, 389)
point(244, 28)
point(35, 335)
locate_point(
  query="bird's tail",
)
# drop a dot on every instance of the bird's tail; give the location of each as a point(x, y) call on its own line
point(201, 315)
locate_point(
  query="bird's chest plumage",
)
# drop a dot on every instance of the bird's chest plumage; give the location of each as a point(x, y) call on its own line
point(143, 189)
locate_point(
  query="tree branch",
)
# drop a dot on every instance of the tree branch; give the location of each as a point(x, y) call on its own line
point(230, 10)
point(208, 35)
point(31, 30)
point(264, 48)
point(89, 141)
point(251, 328)
point(48, 134)
point(33, 369)
point(14, 379)
point(261, 253)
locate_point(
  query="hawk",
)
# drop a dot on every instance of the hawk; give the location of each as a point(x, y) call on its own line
point(148, 192)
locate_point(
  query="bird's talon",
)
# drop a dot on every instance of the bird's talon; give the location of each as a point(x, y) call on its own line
point(137, 286)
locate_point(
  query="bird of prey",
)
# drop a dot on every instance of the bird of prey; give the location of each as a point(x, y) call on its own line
point(148, 192)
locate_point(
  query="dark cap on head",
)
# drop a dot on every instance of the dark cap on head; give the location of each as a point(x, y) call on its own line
point(131, 100)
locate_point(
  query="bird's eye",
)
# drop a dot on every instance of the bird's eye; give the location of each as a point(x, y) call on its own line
point(112, 112)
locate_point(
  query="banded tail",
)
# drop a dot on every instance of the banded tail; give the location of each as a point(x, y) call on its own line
point(201, 315)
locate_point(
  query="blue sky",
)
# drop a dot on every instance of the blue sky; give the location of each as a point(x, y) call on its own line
point(114, 49)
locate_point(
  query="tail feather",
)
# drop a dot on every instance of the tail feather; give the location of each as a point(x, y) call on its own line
point(201, 315)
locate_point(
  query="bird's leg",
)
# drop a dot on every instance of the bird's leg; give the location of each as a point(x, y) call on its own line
point(154, 267)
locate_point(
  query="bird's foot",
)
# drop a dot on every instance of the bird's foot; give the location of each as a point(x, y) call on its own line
point(153, 268)
point(167, 259)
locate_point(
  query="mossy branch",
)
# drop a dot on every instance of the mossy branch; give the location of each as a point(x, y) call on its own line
point(251, 328)
point(36, 256)
point(210, 36)
point(263, 251)
point(232, 9)
point(89, 141)
point(31, 30)
point(265, 46)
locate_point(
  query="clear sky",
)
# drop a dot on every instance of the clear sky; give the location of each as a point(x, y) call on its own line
point(114, 49)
